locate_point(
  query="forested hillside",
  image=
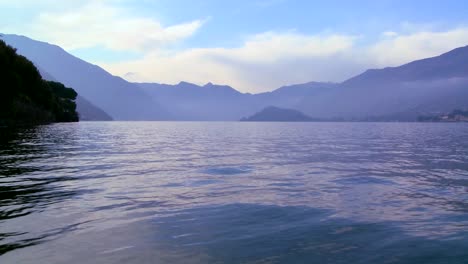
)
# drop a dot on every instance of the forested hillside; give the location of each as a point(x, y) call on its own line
point(25, 98)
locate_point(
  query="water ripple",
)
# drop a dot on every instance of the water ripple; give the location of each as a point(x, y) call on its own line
point(117, 192)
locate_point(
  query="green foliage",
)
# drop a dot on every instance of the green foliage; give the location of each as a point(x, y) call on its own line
point(26, 98)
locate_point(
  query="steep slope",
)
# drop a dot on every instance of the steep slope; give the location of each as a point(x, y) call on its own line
point(453, 64)
point(121, 99)
point(86, 110)
point(89, 112)
point(25, 98)
point(412, 88)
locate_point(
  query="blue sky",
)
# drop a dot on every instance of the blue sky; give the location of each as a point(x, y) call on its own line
point(255, 45)
point(231, 20)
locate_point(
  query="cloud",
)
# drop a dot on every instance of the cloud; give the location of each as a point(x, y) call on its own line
point(271, 47)
point(270, 60)
point(35, 3)
point(389, 34)
point(85, 24)
point(263, 62)
point(398, 49)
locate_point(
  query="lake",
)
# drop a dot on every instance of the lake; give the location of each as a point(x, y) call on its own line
point(209, 192)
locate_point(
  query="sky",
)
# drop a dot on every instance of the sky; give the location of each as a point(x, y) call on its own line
point(251, 45)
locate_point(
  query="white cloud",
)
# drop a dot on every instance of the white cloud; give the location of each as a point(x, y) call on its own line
point(269, 60)
point(84, 24)
point(36, 3)
point(389, 34)
point(270, 47)
point(399, 49)
point(263, 62)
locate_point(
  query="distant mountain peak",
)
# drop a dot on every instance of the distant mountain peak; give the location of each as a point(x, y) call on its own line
point(187, 84)
point(212, 85)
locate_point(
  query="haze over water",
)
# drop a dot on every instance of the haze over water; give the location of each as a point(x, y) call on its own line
point(162, 192)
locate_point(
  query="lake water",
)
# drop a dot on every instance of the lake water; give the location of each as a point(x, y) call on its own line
point(162, 192)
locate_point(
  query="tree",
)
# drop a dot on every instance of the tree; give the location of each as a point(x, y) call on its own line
point(26, 98)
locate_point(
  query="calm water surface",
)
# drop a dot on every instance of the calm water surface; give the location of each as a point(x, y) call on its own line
point(161, 192)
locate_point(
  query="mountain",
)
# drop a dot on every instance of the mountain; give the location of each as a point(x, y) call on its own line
point(190, 102)
point(89, 112)
point(187, 101)
point(290, 96)
point(86, 110)
point(452, 64)
point(429, 86)
point(438, 84)
point(148, 101)
point(432, 85)
point(276, 114)
point(25, 98)
point(117, 97)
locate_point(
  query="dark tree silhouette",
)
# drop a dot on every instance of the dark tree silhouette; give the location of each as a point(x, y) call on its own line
point(25, 98)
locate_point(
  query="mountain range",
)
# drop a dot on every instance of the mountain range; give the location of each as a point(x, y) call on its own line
point(428, 86)
point(211, 102)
